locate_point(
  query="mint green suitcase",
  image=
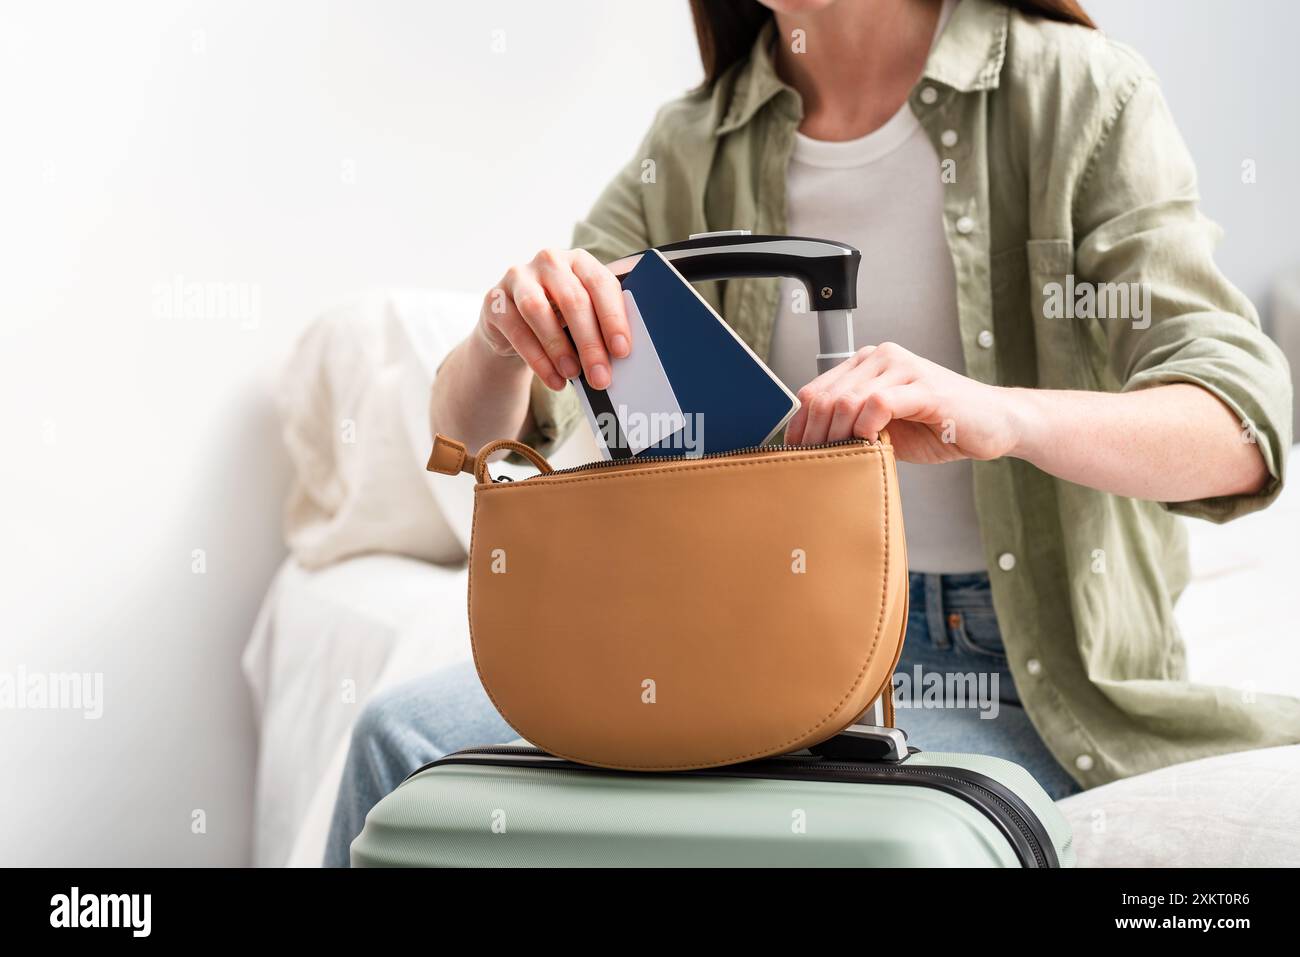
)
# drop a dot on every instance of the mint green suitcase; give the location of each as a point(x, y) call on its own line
point(515, 806)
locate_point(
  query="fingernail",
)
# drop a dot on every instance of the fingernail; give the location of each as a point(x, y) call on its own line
point(599, 376)
point(619, 345)
point(555, 382)
point(568, 367)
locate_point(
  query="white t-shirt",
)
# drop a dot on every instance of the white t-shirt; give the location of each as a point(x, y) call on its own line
point(883, 194)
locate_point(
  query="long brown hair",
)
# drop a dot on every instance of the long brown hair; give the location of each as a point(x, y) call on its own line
point(726, 29)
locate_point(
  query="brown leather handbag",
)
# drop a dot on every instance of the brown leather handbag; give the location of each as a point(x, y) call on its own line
point(663, 614)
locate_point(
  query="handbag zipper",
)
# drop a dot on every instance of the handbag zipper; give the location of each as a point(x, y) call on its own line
point(1002, 806)
point(663, 459)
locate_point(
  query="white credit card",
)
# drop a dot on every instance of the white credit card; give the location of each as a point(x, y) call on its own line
point(643, 402)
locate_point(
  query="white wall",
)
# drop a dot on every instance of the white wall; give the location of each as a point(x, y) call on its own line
point(1228, 70)
point(307, 150)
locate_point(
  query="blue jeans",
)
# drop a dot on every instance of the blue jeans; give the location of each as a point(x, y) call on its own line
point(952, 689)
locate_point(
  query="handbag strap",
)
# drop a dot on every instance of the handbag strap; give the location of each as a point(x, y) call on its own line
point(450, 457)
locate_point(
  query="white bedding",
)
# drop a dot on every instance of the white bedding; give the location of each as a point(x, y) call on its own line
point(376, 620)
point(1233, 810)
point(326, 642)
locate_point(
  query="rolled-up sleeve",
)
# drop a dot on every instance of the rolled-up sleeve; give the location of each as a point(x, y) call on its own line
point(1137, 210)
point(615, 227)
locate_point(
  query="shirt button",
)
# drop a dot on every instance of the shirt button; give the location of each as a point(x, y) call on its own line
point(1034, 666)
point(1006, 561)
point(1083, 762)
point(948, 138)
point(965, 225)
point(985, 339)
point(928, 95)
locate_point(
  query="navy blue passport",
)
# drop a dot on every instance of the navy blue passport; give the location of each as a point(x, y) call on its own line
point(691, 385)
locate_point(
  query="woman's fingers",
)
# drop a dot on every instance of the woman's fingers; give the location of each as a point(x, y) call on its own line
point(813, 395)
point(795, 428)
point(836, 411)
point(555, 270)
point(855, 394)
point(830, 403)
point(505, 330)
point(563, 314)
point(903, 401)
point(535, 309)
point(821, 412)
point(845, 412)
point(804, 425)
point(607, 300)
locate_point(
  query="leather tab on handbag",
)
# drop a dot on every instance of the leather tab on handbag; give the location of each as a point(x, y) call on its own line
point(660, 614)
point(450, 457)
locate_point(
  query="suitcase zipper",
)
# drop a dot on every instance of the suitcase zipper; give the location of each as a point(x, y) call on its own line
point(1002, 806)
point(668, 459)
point(1010, 813)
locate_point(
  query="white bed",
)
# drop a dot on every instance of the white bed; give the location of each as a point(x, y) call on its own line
point(325, 643)
point(329, 638)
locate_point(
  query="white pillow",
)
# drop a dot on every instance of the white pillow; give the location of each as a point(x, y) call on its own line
point(1235, 810)
point(354, 403)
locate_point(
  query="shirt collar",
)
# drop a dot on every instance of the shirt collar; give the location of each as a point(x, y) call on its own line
point(972, 47)
point(967, 57)
point(755, 83)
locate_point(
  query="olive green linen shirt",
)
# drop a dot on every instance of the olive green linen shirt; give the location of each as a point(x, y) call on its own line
point(1064, 162)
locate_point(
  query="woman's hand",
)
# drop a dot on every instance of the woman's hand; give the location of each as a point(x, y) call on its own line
point(933, 413)
point(1166, 443)
point(518, 318)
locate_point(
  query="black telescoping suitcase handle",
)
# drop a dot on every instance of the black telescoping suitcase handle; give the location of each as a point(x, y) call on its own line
point(827, 269)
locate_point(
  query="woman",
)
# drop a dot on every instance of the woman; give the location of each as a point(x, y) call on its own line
point(1060, 363)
